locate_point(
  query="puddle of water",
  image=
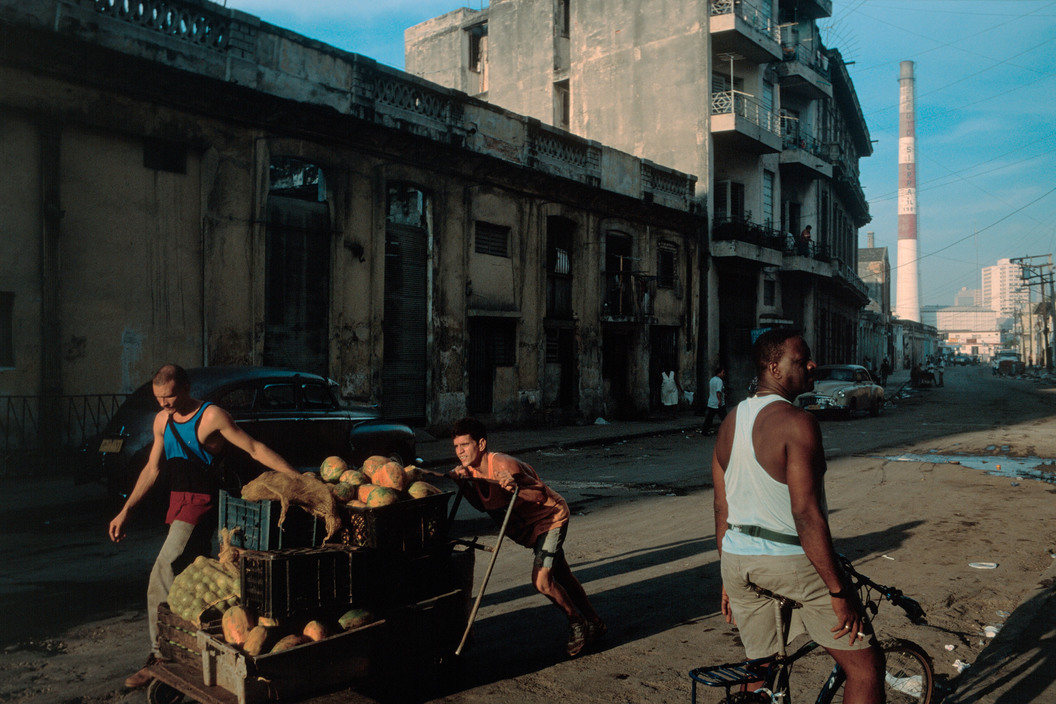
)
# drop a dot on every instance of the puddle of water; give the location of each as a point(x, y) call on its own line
point(1012, 467)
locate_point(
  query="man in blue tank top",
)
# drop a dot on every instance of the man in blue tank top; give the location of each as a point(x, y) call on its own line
point(189, 434)
point(771, 522)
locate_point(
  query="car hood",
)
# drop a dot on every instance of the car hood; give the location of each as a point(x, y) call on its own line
point(828, 388)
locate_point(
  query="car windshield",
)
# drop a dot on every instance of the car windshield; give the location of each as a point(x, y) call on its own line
point(830, 374)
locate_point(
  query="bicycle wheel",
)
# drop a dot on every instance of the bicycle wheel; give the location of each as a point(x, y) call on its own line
point(908, 677)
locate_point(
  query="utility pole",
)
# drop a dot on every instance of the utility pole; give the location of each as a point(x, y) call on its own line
point(1043, 274)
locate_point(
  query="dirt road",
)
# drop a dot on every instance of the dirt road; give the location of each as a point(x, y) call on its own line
point(648, 561)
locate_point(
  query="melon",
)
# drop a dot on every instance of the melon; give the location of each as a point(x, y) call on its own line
point(356, 618)
point(419, 490)
point(372, 463)
point(256, 640)
point(353, 477)
point(363, 491)
point(390, 475)
point(332, 468)
point(382, 496)
point(343, 492)
point(315, 630)
point(236, 623)
point(291, 641)
point(356, 503)
point(414, 474)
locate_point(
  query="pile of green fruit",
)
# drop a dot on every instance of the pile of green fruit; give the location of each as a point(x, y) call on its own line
point(206, 588)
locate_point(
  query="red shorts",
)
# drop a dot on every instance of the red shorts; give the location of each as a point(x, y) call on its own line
point(188, 506)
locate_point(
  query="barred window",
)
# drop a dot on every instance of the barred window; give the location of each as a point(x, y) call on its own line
point(491, 239)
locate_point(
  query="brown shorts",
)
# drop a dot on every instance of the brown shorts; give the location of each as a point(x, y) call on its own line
point(792, 576)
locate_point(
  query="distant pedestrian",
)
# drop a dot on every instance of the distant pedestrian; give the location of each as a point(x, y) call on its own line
point(940, 368)
point(716, 399)
point(885, 371)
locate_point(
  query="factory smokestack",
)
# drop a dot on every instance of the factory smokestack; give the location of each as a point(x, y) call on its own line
point(907, 301)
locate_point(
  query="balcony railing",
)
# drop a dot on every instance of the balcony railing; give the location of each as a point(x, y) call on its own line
point(750, 15)
point(807, 56)
point(794, 139)
point(742, 229)
point(735, 102)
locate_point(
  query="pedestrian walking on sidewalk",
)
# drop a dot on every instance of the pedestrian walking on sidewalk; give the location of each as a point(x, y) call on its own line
point(539, 521)
point(716, 399)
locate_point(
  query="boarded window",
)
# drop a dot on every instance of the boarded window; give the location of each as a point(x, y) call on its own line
point(491, 239)
point(666, 263)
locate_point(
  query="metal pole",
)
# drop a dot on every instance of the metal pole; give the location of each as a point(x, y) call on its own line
point(487, 575)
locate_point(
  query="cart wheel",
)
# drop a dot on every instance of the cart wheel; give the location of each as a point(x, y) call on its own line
point(160, 693)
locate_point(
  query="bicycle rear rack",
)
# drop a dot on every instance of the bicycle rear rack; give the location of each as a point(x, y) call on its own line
point(731, 674)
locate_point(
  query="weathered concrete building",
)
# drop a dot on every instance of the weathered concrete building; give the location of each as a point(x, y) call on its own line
point(186, 183)
point(875, 338)
point(742, 94)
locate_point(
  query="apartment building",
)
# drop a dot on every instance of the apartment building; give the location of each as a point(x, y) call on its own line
point(743, 95)
point(1003, 287)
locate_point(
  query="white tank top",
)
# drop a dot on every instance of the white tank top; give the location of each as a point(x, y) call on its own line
point(753, 497)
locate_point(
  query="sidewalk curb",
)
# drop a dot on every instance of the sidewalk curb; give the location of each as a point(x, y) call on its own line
point(429, 463)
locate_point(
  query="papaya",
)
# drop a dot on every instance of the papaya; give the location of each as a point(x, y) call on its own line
point(356, 503)
point(315, 630)
point(355, 618)
point(372, 463)
point(353, 477)
point(332, 468)
point(390, 475)
point(414, 474)
point(420, 489)
point(343, 492)
point(291, 641)
point(256, 640)
point(363, 491)
point(382, 496)
point(237, 622)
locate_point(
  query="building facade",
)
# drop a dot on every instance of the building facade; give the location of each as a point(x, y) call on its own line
point(1003, 288)
point(744, 95)
point(223, 191)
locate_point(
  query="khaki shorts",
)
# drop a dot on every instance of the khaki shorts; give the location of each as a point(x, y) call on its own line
point(792, 576)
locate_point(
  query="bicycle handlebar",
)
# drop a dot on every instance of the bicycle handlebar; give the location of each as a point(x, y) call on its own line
point(912, 608)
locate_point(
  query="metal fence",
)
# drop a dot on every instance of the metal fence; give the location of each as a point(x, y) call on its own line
point(25, 443)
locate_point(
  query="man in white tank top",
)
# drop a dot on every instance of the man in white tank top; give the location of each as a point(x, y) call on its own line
point(771, 522)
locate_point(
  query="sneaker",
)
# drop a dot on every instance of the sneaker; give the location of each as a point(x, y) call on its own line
point(143, 677)
point(577, 637)
point(596, 630)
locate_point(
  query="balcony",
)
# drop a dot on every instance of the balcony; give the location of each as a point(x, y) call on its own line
point(804, 72)
point(810, 9)
point(741, 122)
point(803, 156)
point(741, 28)
point(740, 238)
point(628, 297)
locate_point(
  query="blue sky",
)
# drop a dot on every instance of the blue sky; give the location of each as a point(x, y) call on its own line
point(986, 115)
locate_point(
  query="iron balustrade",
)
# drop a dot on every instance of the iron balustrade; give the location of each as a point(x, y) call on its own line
point(741, 229)
point(816, 60)
point(751, 15)
point(735, 102)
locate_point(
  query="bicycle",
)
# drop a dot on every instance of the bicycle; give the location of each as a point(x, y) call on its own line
point(909, 675)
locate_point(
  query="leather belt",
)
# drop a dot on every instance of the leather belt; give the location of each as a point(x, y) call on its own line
point(765, 534)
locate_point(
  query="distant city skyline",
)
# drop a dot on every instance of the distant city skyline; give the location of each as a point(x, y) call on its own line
point(986, 144)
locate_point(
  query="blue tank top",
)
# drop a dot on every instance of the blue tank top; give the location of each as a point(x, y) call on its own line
point(188, 432)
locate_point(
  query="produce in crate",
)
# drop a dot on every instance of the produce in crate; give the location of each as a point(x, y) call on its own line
point(257, 640)
point(414, 474)
point(343, 492)
point(420, 489)
point(363, 491)
point(332, 468)
point(237, 623)
point(316, 630)
point(204, 586)
point(371, 464)
point(313, 495)
point(353, 477)
point(382, 496)
point(291, 641)
point(391, 475)
point(355, 618)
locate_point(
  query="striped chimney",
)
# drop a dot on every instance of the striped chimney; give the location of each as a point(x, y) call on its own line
point(907, 300)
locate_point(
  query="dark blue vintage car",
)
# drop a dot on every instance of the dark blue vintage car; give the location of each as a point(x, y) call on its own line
point(299, 415)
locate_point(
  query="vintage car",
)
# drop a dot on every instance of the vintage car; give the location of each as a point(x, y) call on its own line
point(844, 389)
point(299, 415)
